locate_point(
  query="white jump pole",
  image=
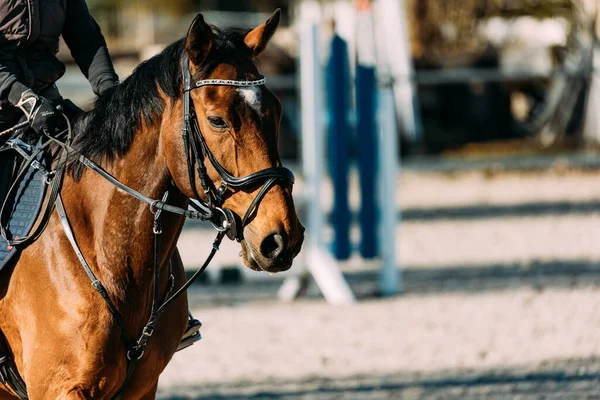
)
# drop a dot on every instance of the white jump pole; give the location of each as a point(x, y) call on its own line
point(390, 278)
point(391, 17)
point(319, 262)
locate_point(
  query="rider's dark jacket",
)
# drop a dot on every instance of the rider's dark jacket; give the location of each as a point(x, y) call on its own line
point(29, 33)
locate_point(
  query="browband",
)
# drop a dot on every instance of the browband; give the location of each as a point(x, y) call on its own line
point(226, 82)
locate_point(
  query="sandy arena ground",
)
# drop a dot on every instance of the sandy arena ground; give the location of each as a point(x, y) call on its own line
point(502, 301)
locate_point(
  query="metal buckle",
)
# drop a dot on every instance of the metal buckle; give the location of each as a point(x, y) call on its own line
point(221, 191)
point(148, 331)
point(130, 358)
point(226, 222)
point(171, 282)
point(49, 177)
point(153, 206)
point(16, 142)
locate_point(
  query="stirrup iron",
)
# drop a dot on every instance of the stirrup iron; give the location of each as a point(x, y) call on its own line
point(191, 335)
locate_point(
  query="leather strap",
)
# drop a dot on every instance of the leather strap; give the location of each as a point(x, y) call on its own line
point(96, 284)
point(155, 204)
point(215, 248)
point(9, 375)
point(135, 348)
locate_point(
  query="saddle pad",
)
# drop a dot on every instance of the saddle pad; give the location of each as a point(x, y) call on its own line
point(25, 206)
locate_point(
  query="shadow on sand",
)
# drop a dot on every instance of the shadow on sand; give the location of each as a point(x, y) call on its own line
point(423, 281)
point(483, 211)
point(578, 379)
point(472, 212)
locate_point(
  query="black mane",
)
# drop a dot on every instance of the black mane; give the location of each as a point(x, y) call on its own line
point(108, 130)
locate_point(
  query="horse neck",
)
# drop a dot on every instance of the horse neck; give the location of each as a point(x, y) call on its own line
point(114, 229)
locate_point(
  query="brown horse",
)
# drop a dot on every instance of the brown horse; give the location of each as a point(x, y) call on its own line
point(65, 341)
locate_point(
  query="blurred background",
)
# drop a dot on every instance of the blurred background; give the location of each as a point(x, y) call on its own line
point(448, 172)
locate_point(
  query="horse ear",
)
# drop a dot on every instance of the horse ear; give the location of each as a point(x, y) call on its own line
point(256, 40)
point(199, 40)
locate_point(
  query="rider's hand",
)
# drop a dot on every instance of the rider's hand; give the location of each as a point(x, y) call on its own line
point(41, 113)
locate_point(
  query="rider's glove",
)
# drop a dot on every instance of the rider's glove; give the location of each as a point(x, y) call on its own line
point(40, 112)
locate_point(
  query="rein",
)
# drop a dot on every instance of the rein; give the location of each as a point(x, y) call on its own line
point(209, 208)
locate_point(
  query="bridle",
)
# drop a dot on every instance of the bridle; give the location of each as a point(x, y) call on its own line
point(209, 208)
point(196, 150)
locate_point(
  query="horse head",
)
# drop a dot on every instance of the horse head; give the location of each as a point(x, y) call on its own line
point(236, 135)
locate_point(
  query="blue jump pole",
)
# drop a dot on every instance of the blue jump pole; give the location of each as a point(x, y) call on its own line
point(367, 163)
point(337, 87)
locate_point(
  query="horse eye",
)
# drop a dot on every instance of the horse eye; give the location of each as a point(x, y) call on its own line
point(217, 122)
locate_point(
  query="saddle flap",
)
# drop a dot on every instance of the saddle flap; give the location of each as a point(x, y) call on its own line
point(22, 206)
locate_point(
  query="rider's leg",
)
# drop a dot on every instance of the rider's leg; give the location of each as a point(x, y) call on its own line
point(7, 165)
point(9, 117)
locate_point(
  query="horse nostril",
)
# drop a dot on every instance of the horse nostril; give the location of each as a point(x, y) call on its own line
point(272, 246)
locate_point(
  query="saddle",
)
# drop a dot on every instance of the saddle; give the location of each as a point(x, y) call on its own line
point(24, 162)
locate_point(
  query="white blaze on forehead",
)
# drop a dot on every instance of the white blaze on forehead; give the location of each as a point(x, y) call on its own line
point(252, 96)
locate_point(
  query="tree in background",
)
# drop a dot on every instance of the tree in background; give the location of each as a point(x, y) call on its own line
point(442, 29)
point(117, 16)
point(188, 6)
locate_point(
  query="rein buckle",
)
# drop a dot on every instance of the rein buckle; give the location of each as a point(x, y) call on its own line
point(136, 356)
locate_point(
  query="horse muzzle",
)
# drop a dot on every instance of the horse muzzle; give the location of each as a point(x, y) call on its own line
point(275, 253)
